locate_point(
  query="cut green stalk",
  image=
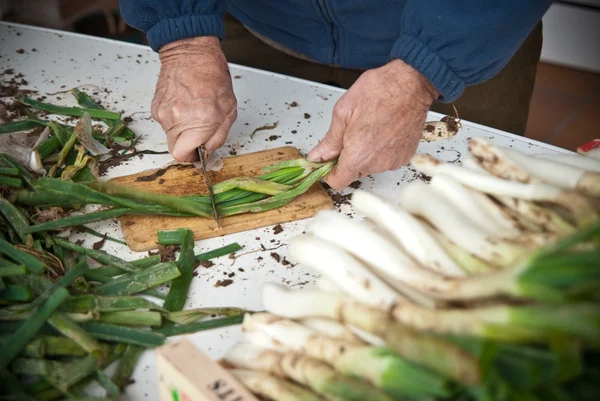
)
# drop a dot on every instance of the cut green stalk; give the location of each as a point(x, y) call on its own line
point(200, 326)
point(88, 302)
point(281, 199)
point(70, 111)
point(32, 366)
point(67, 327)
point(140, 280)
point(21, 125)
point(111, 271)
point(34, 349)
point(60, 346)
point(23, 172)
point(94, 276)
point(193, 315)
point(216, 253)
point(419, 348)
point(38, 284)
point(126, 335)
point(105, 381)
point(126, 365)
point(29, 329)
point(249, 184)
point(62, 155)
point(180, 286)
point(16, 219)
point(97, 255)
point(41, 198)
point(175, 203)
point(18, 293)
point(14, 270)
point(75, 272)
point(72, 221)
point(24, 258)
point(61, 133)
point(11, 171)
point(171, 237)
point(12, 182)
point(132, 318)
point(49, 147)
point(100, 235)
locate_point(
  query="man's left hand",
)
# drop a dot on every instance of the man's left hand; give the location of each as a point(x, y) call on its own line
point(376, 125)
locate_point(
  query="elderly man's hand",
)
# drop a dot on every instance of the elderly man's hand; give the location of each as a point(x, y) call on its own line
point(194, 100)
point(377, 124)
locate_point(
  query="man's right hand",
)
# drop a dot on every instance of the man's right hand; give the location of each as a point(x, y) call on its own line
point(194, 101)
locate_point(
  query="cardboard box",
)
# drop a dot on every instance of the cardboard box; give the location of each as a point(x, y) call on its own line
point(187, 374)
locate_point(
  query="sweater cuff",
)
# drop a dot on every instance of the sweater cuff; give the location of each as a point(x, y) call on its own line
point(172, 29)
point(417, 55)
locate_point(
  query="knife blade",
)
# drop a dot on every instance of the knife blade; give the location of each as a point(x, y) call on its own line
point(202, 156)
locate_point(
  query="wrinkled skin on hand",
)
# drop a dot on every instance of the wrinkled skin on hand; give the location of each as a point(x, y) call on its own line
point(194, 100)
point(376, 125)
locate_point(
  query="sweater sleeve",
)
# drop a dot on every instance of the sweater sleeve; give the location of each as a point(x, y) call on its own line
point(457, 43)
point(168, 21)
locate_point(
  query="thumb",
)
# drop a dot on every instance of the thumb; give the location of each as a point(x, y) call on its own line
point(343, 174)
point(331, 145)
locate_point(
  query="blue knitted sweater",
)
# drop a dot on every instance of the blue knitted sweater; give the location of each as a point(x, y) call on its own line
point(454, 43)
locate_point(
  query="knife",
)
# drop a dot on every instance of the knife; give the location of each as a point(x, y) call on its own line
point(202, 156)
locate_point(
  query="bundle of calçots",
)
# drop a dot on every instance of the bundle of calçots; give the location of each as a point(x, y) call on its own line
point(482, 285)
point(64, 320)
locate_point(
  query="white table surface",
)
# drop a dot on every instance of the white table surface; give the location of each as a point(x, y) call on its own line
point(125, 75)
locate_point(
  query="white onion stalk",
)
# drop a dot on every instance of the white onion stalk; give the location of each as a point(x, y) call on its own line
point(407, 231)
point(35, 162)
point(273, 387)
point(420, 199)
point(465, 200)
point(430, 352)
point(351, 275)
point(583, 213)
point(324, 284)
point(463, 258)
point(542, 217)
point(495, 161)
point(575, 160)
point(332, 329)
point(379, 253)
point(84, 130)
point(307, 371)
point(378, 366)
point(513, 165)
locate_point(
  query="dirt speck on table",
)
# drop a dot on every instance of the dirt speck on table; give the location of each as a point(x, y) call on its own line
point(223, 283)
point(355, 184)
point(306, 116)
point(264, 128)
point(277, 229)
point(276, 256)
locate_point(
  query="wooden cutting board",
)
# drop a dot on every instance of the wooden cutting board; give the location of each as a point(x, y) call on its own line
point(141, 231)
